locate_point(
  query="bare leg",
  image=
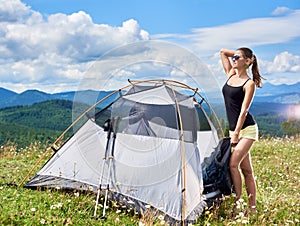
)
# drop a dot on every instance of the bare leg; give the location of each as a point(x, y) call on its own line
point(247, 171)
point(237, 156)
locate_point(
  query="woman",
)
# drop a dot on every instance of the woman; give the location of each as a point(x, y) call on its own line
point(238, 94)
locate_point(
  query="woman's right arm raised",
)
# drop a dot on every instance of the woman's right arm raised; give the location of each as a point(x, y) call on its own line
point(225, 54)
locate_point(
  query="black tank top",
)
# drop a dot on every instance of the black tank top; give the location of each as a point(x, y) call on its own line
point(234, 97)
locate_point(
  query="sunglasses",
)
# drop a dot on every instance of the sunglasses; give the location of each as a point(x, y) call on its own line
point(236, 57)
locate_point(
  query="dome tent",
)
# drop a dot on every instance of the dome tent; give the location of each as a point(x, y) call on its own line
point(148, 146)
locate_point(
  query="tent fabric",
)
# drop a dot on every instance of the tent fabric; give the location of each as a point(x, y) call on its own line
point(152, 153)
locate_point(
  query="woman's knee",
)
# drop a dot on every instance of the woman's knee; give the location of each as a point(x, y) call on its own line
point(233, 165)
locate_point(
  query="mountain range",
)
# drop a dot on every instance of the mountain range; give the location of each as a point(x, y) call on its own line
point(283, 94)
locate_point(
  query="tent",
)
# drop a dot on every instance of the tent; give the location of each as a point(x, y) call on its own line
point(147, 146)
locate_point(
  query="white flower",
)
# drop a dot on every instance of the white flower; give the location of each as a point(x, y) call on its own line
point(33, 209)
point(56, 206)
point(160, 217)
point(130, 202)
point(244, 221)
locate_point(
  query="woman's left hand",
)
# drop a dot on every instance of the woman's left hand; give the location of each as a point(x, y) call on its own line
point(234, 140)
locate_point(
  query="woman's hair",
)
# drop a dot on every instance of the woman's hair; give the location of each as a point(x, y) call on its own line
point(255, 72)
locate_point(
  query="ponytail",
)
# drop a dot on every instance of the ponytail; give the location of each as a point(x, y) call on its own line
point(255, 72)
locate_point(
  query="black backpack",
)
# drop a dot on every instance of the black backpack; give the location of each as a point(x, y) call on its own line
point(215, 169)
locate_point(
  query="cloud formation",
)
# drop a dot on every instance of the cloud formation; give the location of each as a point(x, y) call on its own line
point(284, 62)
point(52, 53)
point(250, 32)
point(280, 10)
point(57, 48)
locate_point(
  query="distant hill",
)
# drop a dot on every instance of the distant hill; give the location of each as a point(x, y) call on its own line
point(53, 115)
point(41, 122)
point(29, 97)
point(285, 94)
point(269, 89)
point(6, 94)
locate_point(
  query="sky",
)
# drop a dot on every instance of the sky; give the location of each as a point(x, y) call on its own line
point(51, 45)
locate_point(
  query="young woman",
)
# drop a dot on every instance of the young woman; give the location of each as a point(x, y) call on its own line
point(238, 93)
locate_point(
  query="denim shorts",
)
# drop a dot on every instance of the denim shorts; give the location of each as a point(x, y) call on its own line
point(250, 132)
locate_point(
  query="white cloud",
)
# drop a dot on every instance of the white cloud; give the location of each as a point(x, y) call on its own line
point(250, 32)
point(283, 62)
point(13, 11)
point(54, 52)
point(280, 10)
point(58, 47)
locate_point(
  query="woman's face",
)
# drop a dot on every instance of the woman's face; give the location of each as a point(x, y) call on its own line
point(238, 60)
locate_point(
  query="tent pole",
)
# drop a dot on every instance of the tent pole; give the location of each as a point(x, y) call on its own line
point(183, 190)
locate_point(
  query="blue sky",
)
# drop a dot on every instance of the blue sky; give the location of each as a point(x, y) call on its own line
point(49, 45)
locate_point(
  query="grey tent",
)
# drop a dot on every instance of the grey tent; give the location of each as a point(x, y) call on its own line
point(147, 146)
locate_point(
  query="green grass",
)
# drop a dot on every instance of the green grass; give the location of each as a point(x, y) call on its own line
point(275, 161)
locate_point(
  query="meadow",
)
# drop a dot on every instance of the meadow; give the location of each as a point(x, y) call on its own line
point(277, 171)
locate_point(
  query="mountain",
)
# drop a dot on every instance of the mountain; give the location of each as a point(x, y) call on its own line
point(6, 94)
point(285, 94)
point(29, 97)
point(269, 89)
point(269, 93)
point(288, 98)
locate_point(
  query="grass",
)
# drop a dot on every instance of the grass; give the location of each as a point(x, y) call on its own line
point(275, 161)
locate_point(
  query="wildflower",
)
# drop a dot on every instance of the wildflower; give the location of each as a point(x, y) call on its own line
point(130, 202)
point(160, 217)
point(33, 209)
point(56, 206)
point(244, 221)
point(43, 221)
point(162, 222)
point(76, 194)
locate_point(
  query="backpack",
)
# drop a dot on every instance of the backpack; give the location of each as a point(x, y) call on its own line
point(215, 169)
